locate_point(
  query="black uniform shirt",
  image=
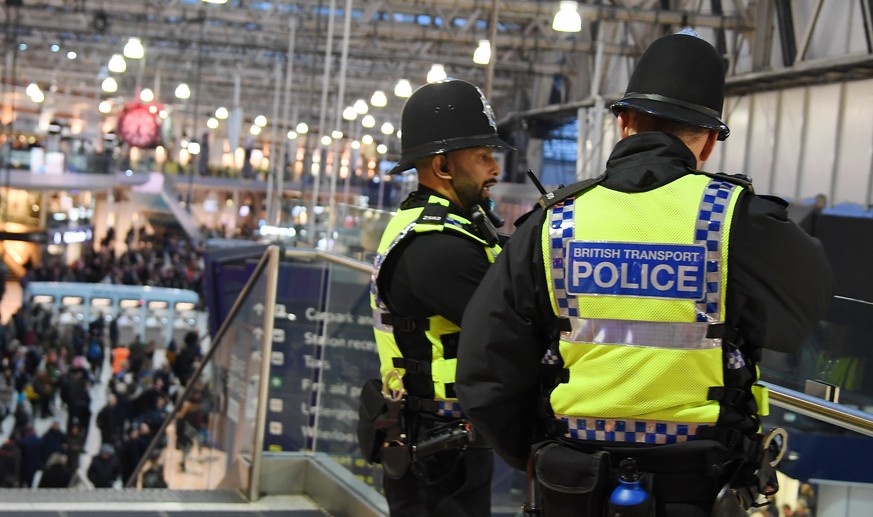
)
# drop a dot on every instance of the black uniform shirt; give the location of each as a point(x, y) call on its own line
point(428, 274)
point(779, 286)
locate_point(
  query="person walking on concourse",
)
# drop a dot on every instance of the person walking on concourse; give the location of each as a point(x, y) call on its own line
point(619, 331)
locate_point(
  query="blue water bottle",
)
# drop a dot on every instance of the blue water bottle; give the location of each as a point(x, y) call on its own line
point(629, 499)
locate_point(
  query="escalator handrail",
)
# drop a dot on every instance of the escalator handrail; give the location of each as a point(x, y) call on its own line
point(820, 409)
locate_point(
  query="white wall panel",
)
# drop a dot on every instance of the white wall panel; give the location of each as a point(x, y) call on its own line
point(819, 149)
point(832, 33)
point(610, 137)
point(786, 154)
point(855, 151)
point(762, 139)
point(733, 150)
point(715, 163)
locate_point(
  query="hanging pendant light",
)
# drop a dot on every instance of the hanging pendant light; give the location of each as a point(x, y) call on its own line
point(403, 88)
point(437, 73)
point(133, 49)
point(379, 99)
point(567, 18)
point(117, 64)
point(482, 55)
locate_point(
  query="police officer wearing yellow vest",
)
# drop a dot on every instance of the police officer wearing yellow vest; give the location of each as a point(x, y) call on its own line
point(433, 254)
point(621, 327)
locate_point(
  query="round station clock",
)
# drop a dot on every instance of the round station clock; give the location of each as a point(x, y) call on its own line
point(138, 126)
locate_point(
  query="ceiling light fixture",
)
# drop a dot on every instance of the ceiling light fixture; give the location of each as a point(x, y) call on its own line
point(117, 64)
point(133, 49)
point(379, 99)
point(368, 121)
point(437, 73)
point(403, 88)
point(221, 113)
point(482, 55)
point(349, 113)
point(361, 107)
point(183, 91)
point(109, 85)
point(567, 18)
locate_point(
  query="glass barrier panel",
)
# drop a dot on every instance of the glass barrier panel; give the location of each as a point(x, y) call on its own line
point(358, 231)
point(349, 358)
point(295, 361)
point(210, 443)
point(833, 359)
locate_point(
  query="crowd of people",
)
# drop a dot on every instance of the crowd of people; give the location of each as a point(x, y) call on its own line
point(158, 262)
point(54, 376)
point(49, 373)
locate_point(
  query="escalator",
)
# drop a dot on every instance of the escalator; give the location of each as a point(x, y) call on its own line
point(159, 202)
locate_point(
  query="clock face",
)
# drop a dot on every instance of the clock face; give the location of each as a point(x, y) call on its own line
point(138, 127)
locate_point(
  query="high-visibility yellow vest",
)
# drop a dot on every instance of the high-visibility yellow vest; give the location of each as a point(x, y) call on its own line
point(640, 295)
point(433, 217)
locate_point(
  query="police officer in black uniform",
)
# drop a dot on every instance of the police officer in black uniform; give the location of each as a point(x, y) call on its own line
point(431, 258)
point(638, 329)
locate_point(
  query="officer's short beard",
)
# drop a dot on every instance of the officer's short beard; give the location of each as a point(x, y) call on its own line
point(468, 201)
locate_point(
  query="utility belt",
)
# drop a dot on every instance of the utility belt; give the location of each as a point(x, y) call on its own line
point(402, 432)
point(588, 479)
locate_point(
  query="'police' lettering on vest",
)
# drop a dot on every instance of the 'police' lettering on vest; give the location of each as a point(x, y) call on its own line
point(636, 269)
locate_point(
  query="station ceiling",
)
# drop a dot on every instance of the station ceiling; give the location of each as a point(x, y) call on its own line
point(238, 53)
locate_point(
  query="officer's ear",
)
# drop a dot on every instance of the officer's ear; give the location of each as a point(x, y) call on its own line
point(624, 124)
point(441, 167)
point(708, 146)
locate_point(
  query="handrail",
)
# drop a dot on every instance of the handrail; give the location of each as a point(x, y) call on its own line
point(836, 414)
point(336, 258)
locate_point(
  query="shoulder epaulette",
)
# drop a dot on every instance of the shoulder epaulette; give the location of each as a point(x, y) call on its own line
point(554, 197)
point(433, 213)
point(737, 179)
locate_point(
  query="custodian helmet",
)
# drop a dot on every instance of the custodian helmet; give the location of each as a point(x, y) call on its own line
point(679, 77)
point(445, 116)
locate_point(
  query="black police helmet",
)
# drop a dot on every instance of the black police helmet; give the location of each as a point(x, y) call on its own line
point(445, 116)
point(679, 77)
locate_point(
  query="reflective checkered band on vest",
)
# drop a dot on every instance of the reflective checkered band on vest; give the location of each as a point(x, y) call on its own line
point(377, 266)
point(550, 357)
point(735, 360)
point(449, 408)
point(708, 231)
point(629, 431)
point(454, 222)
point(560, 232)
